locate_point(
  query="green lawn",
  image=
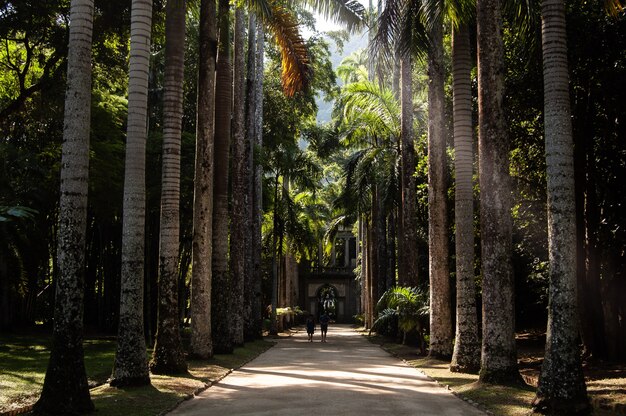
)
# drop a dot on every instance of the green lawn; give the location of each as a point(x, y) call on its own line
point(23, 361)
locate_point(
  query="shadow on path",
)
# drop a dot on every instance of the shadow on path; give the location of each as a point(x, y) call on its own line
point(345, 376)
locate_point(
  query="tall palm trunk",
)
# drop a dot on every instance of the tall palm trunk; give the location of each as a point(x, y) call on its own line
point(562, 388)
point(407, 264)
point(65, 388)
point(131, 362)
point(257, 185)
point(440, 297)
point(168, 356)
point(221, 286)
point(466, 355)
point(239, 200)
point(498, 356)
point(201, 343)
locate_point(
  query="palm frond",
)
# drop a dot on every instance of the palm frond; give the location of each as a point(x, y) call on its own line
point(351, 13)
point(296, 66)
point(613, 7)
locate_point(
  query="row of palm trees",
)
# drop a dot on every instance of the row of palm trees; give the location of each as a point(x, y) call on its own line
point(561, 386)
point(224, 301)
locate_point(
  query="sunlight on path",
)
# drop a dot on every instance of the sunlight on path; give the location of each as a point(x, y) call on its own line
point(345, 376)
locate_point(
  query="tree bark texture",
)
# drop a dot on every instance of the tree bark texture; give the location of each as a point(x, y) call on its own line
point(441, 331)
point(561, 388)
point(466, 354)
point(250, 134)
point(168, 356)
point(131, 361)
point(221, 285)
point(256, 320)
point(65, 388)
point(498, 356)
point(407, 256)
point(201, 343)
point(239, 217)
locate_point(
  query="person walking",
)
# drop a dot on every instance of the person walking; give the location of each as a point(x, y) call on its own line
point(310, 327)
point(324, 320)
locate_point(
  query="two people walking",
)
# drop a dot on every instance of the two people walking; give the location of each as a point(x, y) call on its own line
point(310, 326)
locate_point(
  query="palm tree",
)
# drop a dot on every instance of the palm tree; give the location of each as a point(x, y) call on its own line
point(408, 255)
point(239, 224)
point(466, 354)
point(201, 342)
point(498, 357)
point(168, 356)
point(221, 319)
point(131, 363)
point(65, 389)
point(418, 27)
point(562, 388)
point(254, 141)
point(407, 305)
point(440, 295)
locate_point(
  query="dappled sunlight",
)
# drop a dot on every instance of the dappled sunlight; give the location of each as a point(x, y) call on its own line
point(346, 375)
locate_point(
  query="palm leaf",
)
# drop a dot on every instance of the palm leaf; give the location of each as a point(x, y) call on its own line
point(613, 7)
point(296, 67)
point(349, 12)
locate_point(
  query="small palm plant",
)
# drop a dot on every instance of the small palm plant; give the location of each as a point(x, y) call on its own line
point(409, 306)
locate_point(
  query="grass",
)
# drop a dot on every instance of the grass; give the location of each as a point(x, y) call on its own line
point(23, 362)
point(24, 358)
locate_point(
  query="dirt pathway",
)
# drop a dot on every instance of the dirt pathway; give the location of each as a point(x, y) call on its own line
point(345, 376)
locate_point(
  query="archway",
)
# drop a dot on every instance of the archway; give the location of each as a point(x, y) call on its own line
point(327, 300)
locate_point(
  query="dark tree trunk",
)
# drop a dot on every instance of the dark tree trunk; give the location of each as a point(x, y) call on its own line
point(221, 285)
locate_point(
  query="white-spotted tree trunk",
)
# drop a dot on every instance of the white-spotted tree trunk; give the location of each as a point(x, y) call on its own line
point(498, 355)
point(562, 388)
point(65, 388)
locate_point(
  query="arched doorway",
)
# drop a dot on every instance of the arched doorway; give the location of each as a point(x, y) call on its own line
point(327, 301)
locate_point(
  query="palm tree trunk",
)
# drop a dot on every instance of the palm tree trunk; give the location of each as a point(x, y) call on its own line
point(407, 264)
point(65, 388)
point(201, 343)
point(498, 357)
point(239, 225)
point(254, 130)
point(131, 361)
point(466, 355)
point(221, 290)
point(257, 185)
point(561, 388)
point(168, 356)
point(440, 297)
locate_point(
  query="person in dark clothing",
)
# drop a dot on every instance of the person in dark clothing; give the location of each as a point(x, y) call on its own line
point(310, 327)
point(324, 320)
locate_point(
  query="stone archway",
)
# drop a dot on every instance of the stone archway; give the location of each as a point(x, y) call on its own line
point(327, 300)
